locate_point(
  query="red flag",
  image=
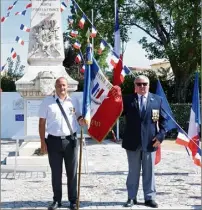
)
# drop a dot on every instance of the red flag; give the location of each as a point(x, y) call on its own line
point(113, 107)
point(158, 155)
point(117, 78)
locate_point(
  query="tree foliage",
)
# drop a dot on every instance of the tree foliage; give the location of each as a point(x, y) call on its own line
point(12, 74)
point(103, 20)
point(174, 27)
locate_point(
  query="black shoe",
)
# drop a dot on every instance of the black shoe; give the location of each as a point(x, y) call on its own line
point(129, 203)
point(135, 201)
point(151, 203)
point(54, 206)
point(72, 206)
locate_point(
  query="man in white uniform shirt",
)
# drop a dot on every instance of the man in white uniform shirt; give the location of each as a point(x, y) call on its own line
point(59, 143)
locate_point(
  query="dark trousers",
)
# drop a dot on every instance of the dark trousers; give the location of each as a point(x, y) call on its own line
point(59, 149)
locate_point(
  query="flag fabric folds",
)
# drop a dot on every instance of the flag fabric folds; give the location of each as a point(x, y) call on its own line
point(63, 6)
point(114, 60)
point(13, 53)
point(29, 5)
point(191, 140)
point(21, 13)
point(3, 19)
point(19, 40)
point(74, 33)
point(24, 28)
point(3, 67)
point(77, 45)
point(11, 7)
point(78, 58)
point(166, 109)
point(103, 44)
point(93, 32)
point(83, 68)
point(82, 21)
point(100, 99)
point(70, 20)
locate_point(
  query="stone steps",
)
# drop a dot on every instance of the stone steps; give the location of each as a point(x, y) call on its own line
point(25, 168)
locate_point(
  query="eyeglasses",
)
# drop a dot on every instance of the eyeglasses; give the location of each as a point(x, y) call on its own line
point(142, 83)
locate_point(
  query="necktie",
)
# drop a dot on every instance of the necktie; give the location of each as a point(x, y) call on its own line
point(142, 106)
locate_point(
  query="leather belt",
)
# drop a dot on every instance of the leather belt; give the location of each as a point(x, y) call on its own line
point(59, 137)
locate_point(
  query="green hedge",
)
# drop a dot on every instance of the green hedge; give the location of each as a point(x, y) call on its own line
point(181, 114)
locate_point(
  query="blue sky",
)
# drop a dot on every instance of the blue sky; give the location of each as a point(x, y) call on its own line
point(134, 54)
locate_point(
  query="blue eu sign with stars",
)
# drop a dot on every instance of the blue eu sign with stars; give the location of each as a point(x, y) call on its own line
point(19, 117)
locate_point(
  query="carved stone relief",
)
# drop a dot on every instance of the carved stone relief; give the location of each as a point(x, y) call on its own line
point(45, 40)
point(46, 82)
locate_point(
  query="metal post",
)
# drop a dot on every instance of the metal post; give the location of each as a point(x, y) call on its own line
point(16, 154)
point(92, 37)
point(80, 162)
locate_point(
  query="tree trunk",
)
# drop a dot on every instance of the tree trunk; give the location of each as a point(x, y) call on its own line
point(182, 77)
point(181, 89)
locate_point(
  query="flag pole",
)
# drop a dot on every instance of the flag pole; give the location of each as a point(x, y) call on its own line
point(80, 162)
point(92, 20)
point(117, 122)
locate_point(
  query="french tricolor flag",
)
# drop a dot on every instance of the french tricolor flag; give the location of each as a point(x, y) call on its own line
point(11, 7)
point(3, 67)
point(114, 60)
point(93, 32)
point(82, 21)
point(63, 6)
point(125, 71)
point(13, 53)
point(19, 40)
point(29, 5)
point(24, 28)
point(78, 58)
point(192, 139)
point(77, 45)
point(3, 19)
point(82, 70)
point(70, 20)
point(103, 44)
point(74, 33)
point(21, 13)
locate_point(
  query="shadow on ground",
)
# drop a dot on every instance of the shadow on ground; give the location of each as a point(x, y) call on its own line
point(65, 205)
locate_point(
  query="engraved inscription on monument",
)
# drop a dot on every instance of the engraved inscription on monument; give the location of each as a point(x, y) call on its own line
point(32, 117)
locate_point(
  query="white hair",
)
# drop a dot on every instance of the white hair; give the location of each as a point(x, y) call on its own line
point(141, 77)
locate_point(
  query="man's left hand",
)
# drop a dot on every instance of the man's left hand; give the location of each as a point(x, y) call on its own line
point(156, 142)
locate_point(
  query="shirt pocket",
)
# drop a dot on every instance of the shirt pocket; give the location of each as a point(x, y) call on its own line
point(54, 114)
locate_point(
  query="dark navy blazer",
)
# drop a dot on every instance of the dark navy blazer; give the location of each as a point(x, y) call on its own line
point(140, 130)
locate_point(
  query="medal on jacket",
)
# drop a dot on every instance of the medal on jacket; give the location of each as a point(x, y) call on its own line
point(71, 110)
point(155, 115)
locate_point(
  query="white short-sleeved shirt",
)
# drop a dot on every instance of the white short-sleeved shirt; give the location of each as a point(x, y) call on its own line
point(55, 121)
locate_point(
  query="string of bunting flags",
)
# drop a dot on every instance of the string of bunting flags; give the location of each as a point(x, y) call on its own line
point(22, 26)
point(74, 33)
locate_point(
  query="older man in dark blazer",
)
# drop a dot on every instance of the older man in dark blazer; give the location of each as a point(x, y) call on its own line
point(144, 131)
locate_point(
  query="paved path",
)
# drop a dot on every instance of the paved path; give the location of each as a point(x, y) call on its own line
point(178, 186)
